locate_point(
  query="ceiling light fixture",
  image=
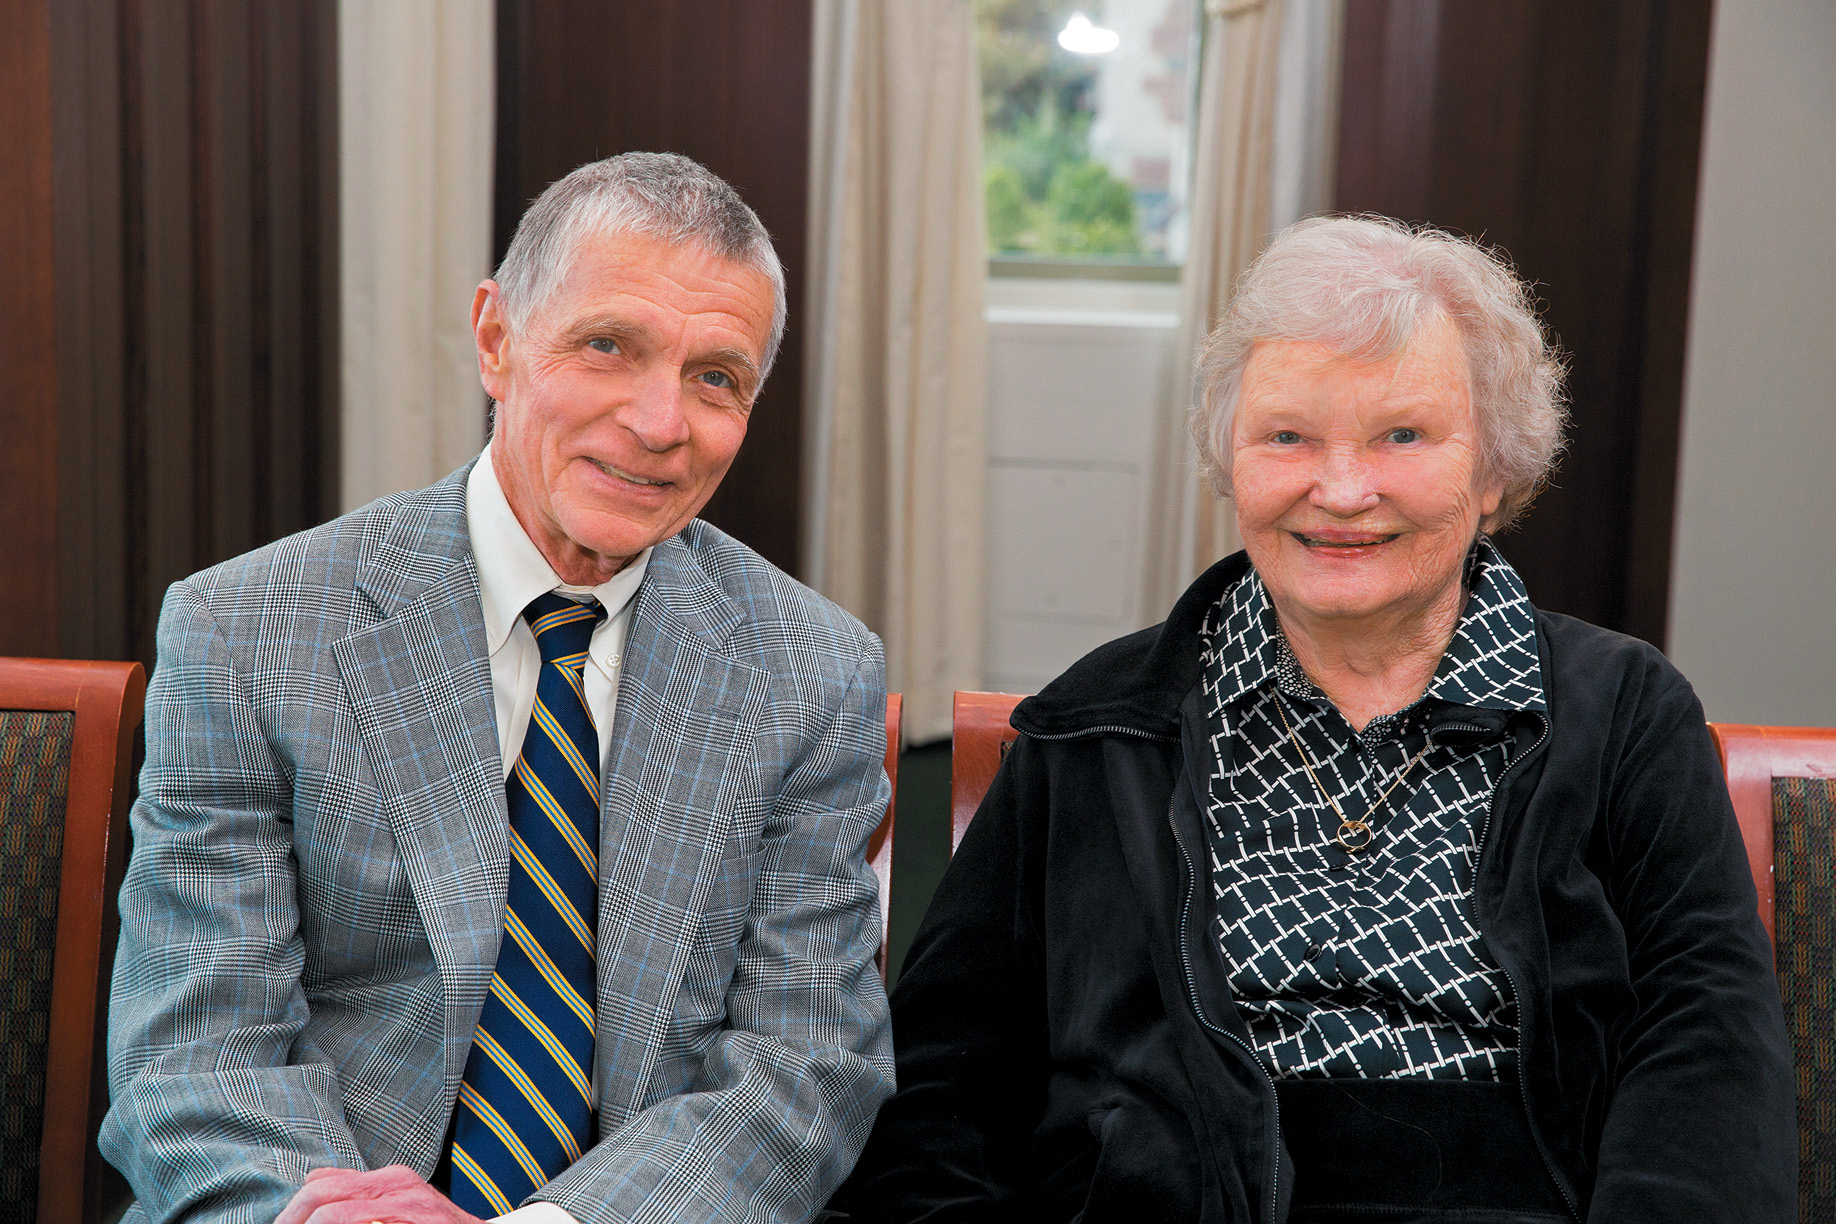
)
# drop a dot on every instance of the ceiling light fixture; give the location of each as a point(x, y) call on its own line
point(1081, 37)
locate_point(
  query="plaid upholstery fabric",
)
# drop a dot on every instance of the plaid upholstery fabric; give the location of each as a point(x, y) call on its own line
point(1804, 845)
point(34, 777)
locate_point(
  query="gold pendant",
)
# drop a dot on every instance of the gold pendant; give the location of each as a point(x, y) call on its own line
point(1354, 835)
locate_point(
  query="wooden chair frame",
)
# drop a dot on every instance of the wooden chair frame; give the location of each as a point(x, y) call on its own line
point(1752, 757)
point(980, 735)
point(108, 701)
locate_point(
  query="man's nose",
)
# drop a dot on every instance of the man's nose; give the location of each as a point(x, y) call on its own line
point(1345, 483)
point(656, 412)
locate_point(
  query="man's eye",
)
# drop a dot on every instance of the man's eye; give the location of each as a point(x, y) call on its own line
point(1286, 437)
point(1404, 436)
point(718, 378)
point(603, 344)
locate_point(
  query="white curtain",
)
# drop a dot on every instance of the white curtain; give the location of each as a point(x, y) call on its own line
point(1263, 152)
point(896, 346)
point(1306, 111)
point(416, 87)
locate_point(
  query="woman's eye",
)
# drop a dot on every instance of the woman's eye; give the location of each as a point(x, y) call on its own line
point(1402, 436)
point(1287, 437)
point(603, 344)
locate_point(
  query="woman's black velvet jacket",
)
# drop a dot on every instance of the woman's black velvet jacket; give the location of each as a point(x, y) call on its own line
point(1068, 1050)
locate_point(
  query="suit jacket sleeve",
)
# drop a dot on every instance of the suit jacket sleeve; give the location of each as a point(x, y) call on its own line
point(218, 1112)
point(788, 1089)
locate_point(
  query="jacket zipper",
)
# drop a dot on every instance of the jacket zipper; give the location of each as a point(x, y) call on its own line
point(1523, 1084)
point(1185, 958)
point(1185, 951)
point(1070, 735)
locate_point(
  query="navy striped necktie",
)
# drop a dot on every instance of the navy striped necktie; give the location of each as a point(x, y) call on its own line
point(525, 1108)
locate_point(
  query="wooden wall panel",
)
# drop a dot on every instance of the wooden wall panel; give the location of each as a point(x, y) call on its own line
point(96, 350)
point(1567, 133)
point(190, 315)
point(723, 81)
point(28, 406)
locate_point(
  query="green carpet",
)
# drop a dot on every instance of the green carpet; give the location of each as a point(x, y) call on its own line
point(921, 841)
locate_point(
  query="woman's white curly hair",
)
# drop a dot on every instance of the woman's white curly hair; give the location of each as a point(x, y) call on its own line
point(1360, 286)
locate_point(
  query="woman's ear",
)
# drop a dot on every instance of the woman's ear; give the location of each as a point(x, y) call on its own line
point(1491, 499)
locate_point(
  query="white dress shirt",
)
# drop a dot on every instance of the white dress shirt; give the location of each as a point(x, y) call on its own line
point(511, 573)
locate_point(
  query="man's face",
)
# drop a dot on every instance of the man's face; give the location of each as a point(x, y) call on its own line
point(624, 398)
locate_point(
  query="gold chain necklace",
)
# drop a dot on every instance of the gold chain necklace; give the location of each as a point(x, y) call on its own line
point(1359, 832)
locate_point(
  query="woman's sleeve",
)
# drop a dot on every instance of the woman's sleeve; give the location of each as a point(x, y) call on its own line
point(1701, 1124)
point(969, 1027)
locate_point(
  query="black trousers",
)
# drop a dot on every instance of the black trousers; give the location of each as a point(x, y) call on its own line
point(1414, 1150)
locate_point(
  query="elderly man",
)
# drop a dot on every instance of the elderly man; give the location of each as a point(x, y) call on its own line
point(500, 845)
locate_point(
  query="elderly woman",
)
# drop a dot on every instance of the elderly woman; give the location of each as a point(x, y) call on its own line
point(1359, 889)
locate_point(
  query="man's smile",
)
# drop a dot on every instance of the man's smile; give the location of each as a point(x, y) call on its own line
point(621, 474)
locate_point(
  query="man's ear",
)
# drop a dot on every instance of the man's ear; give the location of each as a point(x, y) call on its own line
point(491, 335)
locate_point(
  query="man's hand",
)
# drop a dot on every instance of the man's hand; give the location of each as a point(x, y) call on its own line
point(395, 1195)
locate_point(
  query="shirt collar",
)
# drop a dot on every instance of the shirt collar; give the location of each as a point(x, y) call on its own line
point(1492, 661)
point(1243, 640)
point(512, 570)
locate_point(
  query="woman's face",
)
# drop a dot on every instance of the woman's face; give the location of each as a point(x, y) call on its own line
point(1357, 483)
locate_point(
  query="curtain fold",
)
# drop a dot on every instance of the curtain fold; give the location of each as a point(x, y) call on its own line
point(416, 106)
point(895, 409)
point(1189, 526)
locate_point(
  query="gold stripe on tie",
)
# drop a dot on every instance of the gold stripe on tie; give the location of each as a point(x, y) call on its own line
point(564, 744)
point(481, 1109)
point(546, 967)
point(508, 1065)
point(588, 857)
point(562, 616)
point(466, 1165)
point(552, 891)
point(574, 668)
point(545, 1035)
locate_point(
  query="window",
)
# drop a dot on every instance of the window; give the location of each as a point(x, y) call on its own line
point(1085, 143)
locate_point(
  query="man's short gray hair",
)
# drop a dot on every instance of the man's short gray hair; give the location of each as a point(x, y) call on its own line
point(1359, 286)
point(658, 195)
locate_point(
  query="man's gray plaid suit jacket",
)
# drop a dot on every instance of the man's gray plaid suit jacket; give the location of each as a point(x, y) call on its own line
point(313, 908)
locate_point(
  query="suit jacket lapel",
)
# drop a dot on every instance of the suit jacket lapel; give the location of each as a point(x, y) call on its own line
point(419, 683)
point(682, 755)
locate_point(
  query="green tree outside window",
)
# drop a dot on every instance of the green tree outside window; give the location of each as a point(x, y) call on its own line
point(1045, 194)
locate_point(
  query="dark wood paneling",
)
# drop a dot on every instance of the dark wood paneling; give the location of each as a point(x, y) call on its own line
point(1567, 133)
point(28, 407)
point(723, 81)
point(190, 315)
point(1675, 101)
point(96, 351)
point(168, 230)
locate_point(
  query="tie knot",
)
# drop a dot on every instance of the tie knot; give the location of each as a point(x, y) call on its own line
point(562, 626)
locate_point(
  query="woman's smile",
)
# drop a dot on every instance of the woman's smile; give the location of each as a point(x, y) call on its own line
point(1357, 483)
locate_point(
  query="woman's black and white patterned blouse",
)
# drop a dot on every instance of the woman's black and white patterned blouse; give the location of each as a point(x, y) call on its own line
point(1368, 964)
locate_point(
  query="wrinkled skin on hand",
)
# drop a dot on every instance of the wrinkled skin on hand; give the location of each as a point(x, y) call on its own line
point(395, 1195)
